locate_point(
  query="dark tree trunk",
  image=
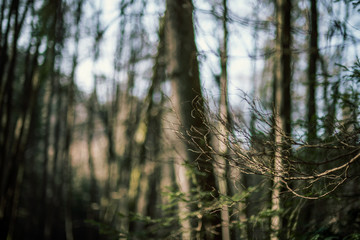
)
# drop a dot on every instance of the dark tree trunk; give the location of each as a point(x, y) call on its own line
point(183, 71)
point(312, 62)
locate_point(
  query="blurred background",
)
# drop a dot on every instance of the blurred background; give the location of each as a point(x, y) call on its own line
point(96, 137)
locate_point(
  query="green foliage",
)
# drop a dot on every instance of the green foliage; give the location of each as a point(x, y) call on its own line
point(325, 233)
point(107, 230)
point(354, 236)
point(264, 215)
point(351, 85)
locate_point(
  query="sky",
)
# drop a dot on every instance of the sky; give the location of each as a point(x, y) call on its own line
point(207, 37)
point(208, 34)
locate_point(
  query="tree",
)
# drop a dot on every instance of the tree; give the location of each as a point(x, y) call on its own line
point(220, 160)
point(282, 107)
point(312, 62)
point(101, 163)
point(12, 141)
point(183, 72)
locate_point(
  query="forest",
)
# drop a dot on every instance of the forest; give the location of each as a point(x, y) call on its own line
point(179, 119)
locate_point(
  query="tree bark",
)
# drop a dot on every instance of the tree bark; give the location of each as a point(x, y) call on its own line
point(312, 61)
point(282, 108)
point(183, 71)
point(93, 213)
point(150, 149)
point(54, 201)
point(221, 164)
point(11, 163)
point(69, 129)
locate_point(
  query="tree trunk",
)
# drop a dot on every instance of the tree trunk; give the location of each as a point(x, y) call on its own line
point(150, 149)
point(183, 71)
point(70, 121)
point(313, 56)
point(54, 201)
point(49, 114)
point(282, 107)
point(221, 165)
point(11, 162)
point(93, 213)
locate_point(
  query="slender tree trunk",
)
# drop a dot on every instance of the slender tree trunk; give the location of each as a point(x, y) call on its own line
point(21, 139)
point(313, 56)
point(282, 108)
point(54, 200)
point(90, 134)
point(55, 38)
point(70, 120)
point(255, 202)
point(127, 159)
point(221, 140)
point(11, 165)
point(93, 213)
point(7, 95)
point(4, 51)
point(126, 167)
point(2, 10)
point(327, 120)
point(47, 136)
point(151, 146)
point(6, 108)
point(254, 73)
